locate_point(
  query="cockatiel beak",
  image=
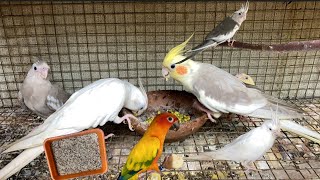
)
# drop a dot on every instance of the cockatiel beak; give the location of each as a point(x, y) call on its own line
point(165, 73)
point(44, 72)
point(138, 113)
point(175, 126)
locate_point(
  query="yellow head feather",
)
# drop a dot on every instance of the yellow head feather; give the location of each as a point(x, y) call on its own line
point(178, 50)
point(245, 79)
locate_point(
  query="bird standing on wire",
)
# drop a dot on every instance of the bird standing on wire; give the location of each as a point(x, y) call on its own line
point(146, 153)
point(38, 94)
point(221, 92)
point(89, 107)
point(248, 147)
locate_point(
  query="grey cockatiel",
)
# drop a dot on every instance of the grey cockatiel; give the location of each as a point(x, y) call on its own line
point(37, 92)
point(89, 107)
point(223, 32)
point(221, 92)
point(248, 147)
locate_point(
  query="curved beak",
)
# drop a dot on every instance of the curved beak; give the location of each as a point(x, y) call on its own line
point(138, 113)
point(175, 126)
point(165, 73)
point(44, 73)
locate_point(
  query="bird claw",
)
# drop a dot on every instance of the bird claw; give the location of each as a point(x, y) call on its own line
point(211, 118)
point(126, 119)
point(108, 136)
point(230, 42)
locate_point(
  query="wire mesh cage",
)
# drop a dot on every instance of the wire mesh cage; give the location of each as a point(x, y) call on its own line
point(86, 41)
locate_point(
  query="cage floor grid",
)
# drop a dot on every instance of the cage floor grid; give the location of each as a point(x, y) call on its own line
point(291, 157)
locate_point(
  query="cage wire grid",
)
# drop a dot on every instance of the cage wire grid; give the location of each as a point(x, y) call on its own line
point(86, 41)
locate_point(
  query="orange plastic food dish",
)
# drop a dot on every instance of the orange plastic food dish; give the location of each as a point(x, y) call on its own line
point(52, 163)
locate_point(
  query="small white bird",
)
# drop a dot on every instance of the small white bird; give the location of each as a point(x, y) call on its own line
point(225, 30)
point(248, 147)
point(89, 107)
point(38, 94)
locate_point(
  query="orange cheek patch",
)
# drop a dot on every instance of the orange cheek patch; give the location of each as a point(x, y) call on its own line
point(181, 70)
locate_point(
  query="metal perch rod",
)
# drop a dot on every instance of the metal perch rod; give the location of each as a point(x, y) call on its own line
point(291, 46)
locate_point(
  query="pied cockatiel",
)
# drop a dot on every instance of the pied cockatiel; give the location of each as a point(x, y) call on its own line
point(89, 107)
point(223, 32)
point(37, 92)
point(221, 92)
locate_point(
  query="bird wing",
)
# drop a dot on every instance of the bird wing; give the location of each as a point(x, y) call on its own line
point(56, 97)
point(85, 109)
point(248, 146)
point(220, 91)
point(220, 32)
point(141, 156)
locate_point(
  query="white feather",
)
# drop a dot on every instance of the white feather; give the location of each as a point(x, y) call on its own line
point(98, 102)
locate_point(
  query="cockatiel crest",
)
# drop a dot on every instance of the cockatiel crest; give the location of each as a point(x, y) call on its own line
point(172, 61)
point(178, 50)
point(240, 15)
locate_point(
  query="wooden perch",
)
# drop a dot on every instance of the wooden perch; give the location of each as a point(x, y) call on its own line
point(291, 46)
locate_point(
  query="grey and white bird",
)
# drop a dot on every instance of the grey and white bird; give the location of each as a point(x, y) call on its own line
point(225, 31)
point(89, 107)
point(248, 147)
point(38, 94)
point(220, 92)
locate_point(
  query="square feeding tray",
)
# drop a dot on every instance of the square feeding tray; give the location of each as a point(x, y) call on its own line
point(77, 154)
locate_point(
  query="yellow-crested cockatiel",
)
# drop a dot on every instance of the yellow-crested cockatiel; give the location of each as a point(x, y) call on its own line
point(146, 153)
point(221, 92)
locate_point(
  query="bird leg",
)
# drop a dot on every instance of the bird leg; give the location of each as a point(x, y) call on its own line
point(126, 117)
point(200, 107)
point(249, 167)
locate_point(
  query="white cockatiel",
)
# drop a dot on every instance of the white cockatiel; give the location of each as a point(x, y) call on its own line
point(221, 92)
point(248, 147)
point(89, 107)
point(38, 94)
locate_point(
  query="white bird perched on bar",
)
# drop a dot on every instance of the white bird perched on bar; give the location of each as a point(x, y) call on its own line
point(248, 147)
point(225, 31)
point(37, 92)
point(89, 107)
point(221, 92)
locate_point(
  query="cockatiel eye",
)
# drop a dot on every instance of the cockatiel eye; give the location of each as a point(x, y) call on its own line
point(173, 66)
point(35, 68)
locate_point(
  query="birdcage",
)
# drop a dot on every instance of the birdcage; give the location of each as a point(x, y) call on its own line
point(277, 45)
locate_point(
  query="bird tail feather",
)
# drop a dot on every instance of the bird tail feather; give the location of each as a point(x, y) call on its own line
point(194, 51)
point(284, 112)
point(296, 128)
point(20, 161)
point(204, 45)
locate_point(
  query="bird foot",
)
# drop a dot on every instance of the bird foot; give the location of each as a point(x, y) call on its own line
point(128, 120)
point(249, 168)
point(244, 119)
point(230, 42)
point(211, 118)
point(200, 107)
point(108, 136)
